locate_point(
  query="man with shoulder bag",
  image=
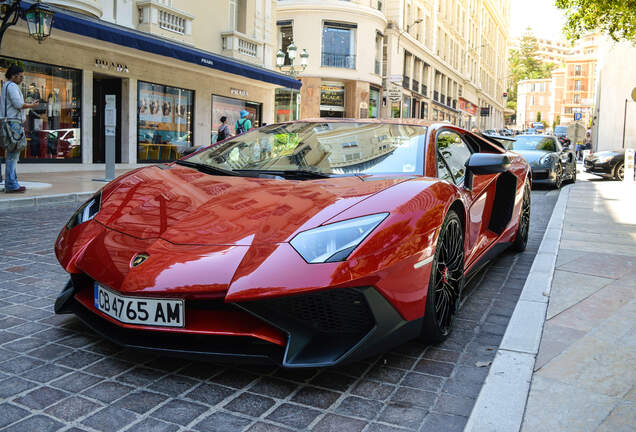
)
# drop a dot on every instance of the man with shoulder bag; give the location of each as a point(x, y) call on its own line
point(12, 136)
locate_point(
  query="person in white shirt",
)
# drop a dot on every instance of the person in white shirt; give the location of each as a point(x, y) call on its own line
point(11, 109)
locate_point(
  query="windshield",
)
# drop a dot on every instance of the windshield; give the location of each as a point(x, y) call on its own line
point(560, 129)
point(321, 148)
point(530, 142)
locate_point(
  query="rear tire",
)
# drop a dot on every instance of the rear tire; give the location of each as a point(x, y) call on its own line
point(521, 239)
point(446, 282)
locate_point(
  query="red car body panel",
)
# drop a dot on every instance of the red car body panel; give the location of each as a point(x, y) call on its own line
point(223, 237)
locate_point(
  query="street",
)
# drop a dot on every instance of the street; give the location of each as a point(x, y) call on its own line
point(56, 374)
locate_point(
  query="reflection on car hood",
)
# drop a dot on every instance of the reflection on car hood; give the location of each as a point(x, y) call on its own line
point(532, 155)
point(184, 206)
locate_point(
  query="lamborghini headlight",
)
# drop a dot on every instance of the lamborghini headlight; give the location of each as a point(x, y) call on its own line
point(86, 212)
point(336, 241)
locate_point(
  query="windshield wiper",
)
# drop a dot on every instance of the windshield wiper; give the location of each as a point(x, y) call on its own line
point(306, 174)
point(208, 169)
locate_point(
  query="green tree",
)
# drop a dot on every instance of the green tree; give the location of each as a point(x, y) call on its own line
point(523, 64)
point(539, 116)
point(617, 18)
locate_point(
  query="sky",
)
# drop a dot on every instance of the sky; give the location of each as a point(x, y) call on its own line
point(541, 15)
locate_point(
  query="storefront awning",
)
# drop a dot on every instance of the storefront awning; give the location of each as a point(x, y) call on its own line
point(91, 27)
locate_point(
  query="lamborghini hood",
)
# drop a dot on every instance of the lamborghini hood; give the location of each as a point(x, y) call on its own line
point(184, 206)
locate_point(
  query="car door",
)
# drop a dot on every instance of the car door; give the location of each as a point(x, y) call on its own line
point(452, 154)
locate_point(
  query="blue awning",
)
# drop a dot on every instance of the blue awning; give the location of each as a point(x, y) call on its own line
point(91, 27)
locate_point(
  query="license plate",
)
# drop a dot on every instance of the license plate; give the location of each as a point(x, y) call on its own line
point(140, 310)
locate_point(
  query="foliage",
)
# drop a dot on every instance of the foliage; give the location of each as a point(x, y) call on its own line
point(523, 64)
point(617, 18)
point(285, 143)
point(539, 116)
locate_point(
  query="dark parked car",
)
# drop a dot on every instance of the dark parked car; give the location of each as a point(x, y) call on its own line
point(550, 162)
point(608, 164)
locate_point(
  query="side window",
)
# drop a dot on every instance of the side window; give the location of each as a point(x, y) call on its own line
point(442, 170)
point(455, 152)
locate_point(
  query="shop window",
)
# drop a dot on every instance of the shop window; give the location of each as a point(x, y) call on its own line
point(164, 123)
point(339, 45)
point(52, 129)
point(231, 108)
point(406, 106)
point(332, 99)
point(286, 104)
point(374, 102)
point(424, 110)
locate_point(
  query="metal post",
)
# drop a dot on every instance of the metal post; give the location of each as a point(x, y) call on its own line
point(624, 122)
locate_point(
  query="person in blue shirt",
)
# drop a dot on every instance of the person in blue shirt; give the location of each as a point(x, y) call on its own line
point(243, 124)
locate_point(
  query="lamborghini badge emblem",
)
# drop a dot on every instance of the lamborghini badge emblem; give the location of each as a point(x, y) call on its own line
point(138, 260)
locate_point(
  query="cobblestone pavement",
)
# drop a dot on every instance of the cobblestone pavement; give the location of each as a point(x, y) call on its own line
point(56, 375)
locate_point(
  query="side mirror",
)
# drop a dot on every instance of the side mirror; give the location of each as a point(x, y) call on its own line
point(483, 164)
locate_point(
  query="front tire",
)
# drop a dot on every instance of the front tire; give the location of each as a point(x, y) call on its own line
point(521, 239)
point(558, 181)
point(446, 282)
point(619, 171)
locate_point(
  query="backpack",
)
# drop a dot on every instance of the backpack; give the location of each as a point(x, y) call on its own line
point(222, 133)
point(240, 127)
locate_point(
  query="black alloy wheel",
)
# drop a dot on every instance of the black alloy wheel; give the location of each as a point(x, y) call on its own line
point(521, 239)
point(619, 171)
point(558, 172)
point(446, 281)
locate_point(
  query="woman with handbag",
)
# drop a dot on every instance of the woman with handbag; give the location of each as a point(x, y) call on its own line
point(12, 134)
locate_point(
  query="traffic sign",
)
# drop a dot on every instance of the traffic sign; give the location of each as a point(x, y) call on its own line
point(578, 116)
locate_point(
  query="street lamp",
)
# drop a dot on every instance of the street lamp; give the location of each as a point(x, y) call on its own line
point(39, 18)
point(408, 28)
point(292, 70)
point(292, 51)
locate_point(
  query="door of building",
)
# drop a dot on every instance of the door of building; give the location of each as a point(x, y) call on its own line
point(103, 86)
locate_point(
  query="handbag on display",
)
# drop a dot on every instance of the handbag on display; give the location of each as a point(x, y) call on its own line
point(12, 137)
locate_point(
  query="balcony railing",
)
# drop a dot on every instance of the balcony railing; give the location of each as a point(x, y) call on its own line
point(239, 43)
point(406, 81)
point(415, 86)
point(347, 61)
point(435, 95)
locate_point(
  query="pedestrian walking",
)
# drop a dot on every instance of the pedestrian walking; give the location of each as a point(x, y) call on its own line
point(243, 124)
point(12, 136)
point(224, 130)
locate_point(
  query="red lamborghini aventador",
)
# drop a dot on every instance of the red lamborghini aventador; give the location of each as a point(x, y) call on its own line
point(308, 243)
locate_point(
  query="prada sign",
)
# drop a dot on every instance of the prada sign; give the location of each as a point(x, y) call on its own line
point(111, 66)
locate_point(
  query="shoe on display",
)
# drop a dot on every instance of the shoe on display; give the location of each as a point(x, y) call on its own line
point(18, 190)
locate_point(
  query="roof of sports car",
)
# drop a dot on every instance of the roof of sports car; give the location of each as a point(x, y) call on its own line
point(415, 122)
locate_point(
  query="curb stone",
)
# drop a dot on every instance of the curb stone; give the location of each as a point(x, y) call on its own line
point(502, 400)
point(44, 200)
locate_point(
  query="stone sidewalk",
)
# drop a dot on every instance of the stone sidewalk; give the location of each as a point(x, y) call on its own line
point(71, 186)
point(584, 376)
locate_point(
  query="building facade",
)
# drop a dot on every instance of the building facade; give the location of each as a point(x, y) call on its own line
point(156, 75)
point(534, 102)
point(614, 124)
point(568, 95)
point(427, 59)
